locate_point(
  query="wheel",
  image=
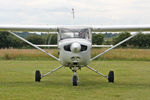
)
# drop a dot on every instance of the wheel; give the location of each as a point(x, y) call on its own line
point(111, 77)
point(37, 76)
point(75, 81)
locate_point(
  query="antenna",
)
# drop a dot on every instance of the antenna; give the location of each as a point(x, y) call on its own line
point(73, 13)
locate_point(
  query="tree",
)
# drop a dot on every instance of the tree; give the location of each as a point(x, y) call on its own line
point(97, 39)
point(5, 40)
point(121, 37)
point(35, 39)
point(147, 39)
point(141, 41)
point(16, 42)
point(50, 38)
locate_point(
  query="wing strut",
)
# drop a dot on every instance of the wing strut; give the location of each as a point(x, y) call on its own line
point(34, 45)
point(113, 47)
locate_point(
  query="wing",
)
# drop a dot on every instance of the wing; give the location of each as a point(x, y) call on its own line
point(27, 28)
point(120, 28)
point(94, 28)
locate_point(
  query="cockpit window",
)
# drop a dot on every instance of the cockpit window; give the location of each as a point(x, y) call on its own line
point(74, 33)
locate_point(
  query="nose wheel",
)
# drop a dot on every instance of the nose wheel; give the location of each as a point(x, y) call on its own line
point(75, 79)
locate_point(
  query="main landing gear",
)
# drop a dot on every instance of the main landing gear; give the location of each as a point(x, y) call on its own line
point(110, 76)
point(37, 76)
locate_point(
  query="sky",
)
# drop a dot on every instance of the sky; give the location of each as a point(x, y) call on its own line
point(87, 12)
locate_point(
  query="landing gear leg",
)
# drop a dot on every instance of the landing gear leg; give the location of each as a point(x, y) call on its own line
point(75, 77)
point(38, 75)
point(110, 76)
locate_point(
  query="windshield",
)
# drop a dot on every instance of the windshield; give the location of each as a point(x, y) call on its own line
point(74, 33)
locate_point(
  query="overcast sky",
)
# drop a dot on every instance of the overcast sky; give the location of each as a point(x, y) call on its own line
point(59, 12)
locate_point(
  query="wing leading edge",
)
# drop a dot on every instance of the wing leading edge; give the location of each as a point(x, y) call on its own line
point(29, 28)
point(121, 28)
point(94, 28)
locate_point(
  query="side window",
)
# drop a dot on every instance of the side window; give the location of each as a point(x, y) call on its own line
point(84, 33)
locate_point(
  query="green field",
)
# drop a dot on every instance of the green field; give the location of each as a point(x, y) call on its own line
point(132, 81)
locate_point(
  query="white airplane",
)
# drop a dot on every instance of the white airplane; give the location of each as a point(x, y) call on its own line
point(74, 44)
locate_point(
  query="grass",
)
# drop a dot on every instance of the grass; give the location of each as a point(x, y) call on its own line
point(25, 54)
point(124, 54)
point(116, 54)
point(132, 81)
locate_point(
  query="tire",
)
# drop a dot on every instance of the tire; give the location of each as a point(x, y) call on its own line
point(75, 81)
point(111, 77)
point(37, 76)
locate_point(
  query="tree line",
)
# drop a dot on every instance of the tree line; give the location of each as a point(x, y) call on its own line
point(8, 40)
point(139, 41)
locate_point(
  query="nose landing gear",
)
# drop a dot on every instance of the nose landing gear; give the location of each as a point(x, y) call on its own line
point(75, 79)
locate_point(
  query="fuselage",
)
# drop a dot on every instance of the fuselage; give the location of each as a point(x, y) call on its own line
point(74, 50)
point(70, 58)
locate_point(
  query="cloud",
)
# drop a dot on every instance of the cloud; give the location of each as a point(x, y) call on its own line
point(86, 12)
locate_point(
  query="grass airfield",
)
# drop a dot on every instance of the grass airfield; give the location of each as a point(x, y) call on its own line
point(132, 81)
